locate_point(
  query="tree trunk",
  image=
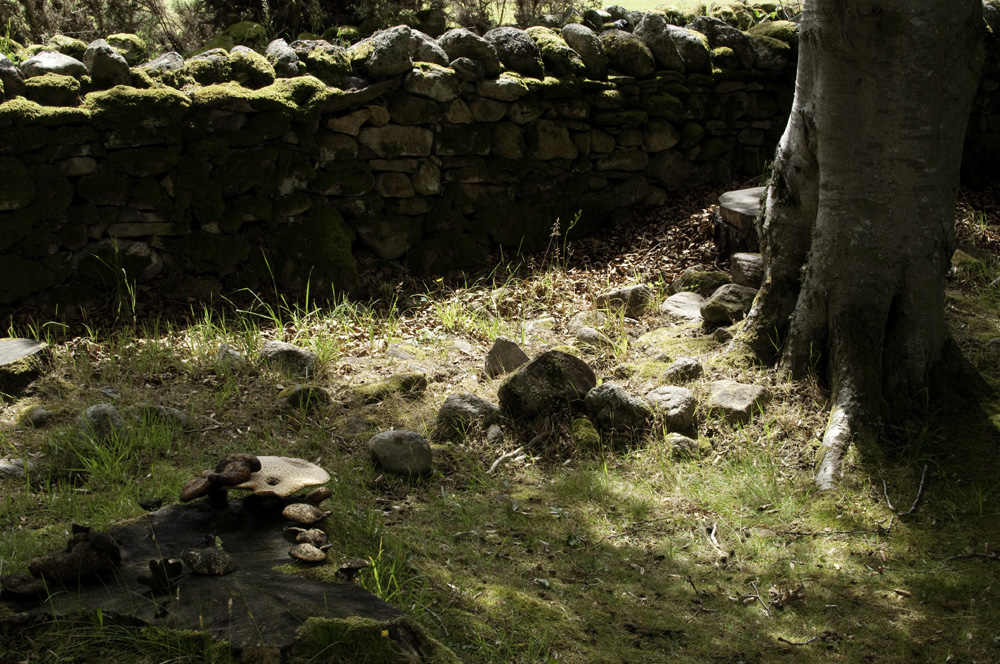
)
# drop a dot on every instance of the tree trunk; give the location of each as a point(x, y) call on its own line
point(858, 228)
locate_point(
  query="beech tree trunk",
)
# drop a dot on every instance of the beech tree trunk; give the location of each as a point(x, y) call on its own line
point(858, 227)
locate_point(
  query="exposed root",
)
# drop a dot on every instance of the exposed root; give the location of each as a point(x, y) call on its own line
point(840, 430)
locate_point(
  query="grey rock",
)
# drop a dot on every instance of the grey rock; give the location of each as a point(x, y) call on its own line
point(595, 319)
point(653, 30)
point(440, 84)
point(682, 447)
point(634, 300)
point(463, 43)
point(505, 88)
point(592, 337)
point(550, 381)
point(425, 48)
point(107, 66)
point(467, 69)
point(50, 62)
point(728, 304)
point(401, 452)
point(675, 405)
point(390, 52)
point(613, 408)
point(109, 392)
point(37, 417)
point(720, 33)
point(737, 402)
point(505, 356)
point(230, 358)
point(289, 359)
point(722, 334)
point(15, 469)
point(516, 50)
point(683, 369)
point(11, 77)
point(464, 412)
point(169, 61)
point(100, 422)
point(283, 58)
point(211, 561)
point(748, 269)
point(683, 305)
point(495, 435)
point(694, 52)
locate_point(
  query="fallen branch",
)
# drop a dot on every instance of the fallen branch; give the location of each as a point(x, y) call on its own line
point(698, 601)
point(509, 455)
point(920, 492)
point(885, 492)
point(798, 643)
point(965, 556)
point(637, 526)
point(809, 533)
point(758, 598)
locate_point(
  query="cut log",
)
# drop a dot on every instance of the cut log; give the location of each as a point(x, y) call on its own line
point(21, 362)
point(735, 230)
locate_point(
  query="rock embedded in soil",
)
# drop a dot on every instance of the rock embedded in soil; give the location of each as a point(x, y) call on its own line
point(505, 356)
point(464, 412)
point(304, 397)
point(614, 409)
point(100, 422)
point(675, 405)
point(585, 434)
point(595, 319)
point(292, 360)
point(594, 338)
point(683, 369)
point(737, 402)
point(728, 304)
point(401, 452)
point(15, 469)
point(633, 301)
point(696, 279)
point(682, 447)
point(551, 381)
point(406, 384)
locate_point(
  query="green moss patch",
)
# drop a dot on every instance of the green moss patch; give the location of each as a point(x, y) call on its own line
point(123, 106)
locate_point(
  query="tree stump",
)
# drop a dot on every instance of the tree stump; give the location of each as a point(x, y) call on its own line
point(733, 221)
point(21, 362)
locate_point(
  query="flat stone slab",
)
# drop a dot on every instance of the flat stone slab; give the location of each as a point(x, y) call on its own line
point(21, 362)
point(737, 402)
point(255, 607)
point(683, 305)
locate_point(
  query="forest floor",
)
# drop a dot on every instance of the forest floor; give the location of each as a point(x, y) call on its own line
point(620, 553)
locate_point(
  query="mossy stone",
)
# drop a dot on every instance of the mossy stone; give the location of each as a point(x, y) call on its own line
point(444, 252)
point(131, 47)
point(316, 251)
point(17, 186)
point(621, 118)
point(714, 146)
point(559, 58)
point(665, 106)
point(21, 111)
point(21, 277)
point(691, 135)
point(330, 64)
point(209, 67)
point(627, 53)
point(251, 69)
point(585, 434)
point(124, 106)
point(74, 48)
point(53, 90)
point(785, 31)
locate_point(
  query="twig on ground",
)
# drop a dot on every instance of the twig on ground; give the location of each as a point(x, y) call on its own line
point(711, 530)
point(798, 643)
point(697, 598)
point(757, 597)
point(920, 492)
point(808, 533)
point(963, 556)
point(637, 526)
point(509, 455)
point(885, 492)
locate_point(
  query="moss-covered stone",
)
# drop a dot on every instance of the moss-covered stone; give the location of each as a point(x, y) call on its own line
point(785, 31)
point(249, 34)
point(691, 135)
point(316, 251)
point(713, 147)
point(585, 434)
point(405, 384)
point(17, 186)
point(664, 106)
point(559, 58)
point(53, 90)
point(20, 278)
point(123, 107)
point(445, 252)
point(621, 118)
point(215, 253)
point(209, 67)
point(74, 48)
point(330, 64)
point(131, 47)
point(251, 69)
point(627, 54)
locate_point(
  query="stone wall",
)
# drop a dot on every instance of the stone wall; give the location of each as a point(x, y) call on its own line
point(247, 169)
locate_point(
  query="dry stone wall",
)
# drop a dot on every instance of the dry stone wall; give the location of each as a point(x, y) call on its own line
point(239, 169)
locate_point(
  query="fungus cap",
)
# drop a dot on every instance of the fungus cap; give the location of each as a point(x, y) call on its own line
point(283, 476)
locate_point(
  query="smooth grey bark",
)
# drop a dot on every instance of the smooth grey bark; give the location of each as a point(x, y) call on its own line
point(858, 227)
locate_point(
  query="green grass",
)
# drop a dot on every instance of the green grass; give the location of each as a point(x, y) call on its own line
point(618, 554)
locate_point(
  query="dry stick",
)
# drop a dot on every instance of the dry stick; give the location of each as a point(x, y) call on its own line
point(759, 599)
point(534, 441)
point(920, 492)
point(806, 533)
point(637, 526)
point(885, 492)
point(700, 602)
point(984, 556)
point(798, 643)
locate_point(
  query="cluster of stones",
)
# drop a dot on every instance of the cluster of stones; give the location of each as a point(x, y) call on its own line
point(242, 167)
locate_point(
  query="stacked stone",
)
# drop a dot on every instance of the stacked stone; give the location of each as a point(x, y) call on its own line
point(233, 169)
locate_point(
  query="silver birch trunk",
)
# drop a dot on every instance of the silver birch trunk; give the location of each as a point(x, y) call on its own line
point(858, 228)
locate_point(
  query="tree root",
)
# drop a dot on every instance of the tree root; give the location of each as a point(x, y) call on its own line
point(840, 430)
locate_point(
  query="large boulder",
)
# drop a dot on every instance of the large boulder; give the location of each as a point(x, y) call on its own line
point(107, 66)
point(550, 381)
point(390, 52)
point(401, 452)
point(463, 43)
point(132, 47)
point(250, 69)
point(424, 48)
point(627, 53)
point(721, 34)
point(588, 46)
point(516, 50)
point(614, 409)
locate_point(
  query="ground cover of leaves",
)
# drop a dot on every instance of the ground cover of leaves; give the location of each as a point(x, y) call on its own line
point(619, 553)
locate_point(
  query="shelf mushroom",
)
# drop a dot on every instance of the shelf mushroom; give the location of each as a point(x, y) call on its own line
point(265, 476)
